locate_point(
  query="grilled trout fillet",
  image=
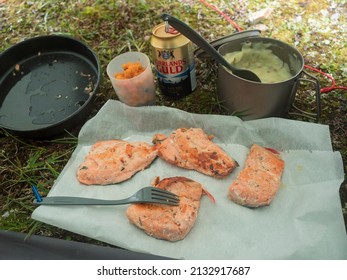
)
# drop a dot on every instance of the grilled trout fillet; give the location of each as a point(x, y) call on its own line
point(193, 149)
point(167, 222)
point(114, 161)
point(257, 184)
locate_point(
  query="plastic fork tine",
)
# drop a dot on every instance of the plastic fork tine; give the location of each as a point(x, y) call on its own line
point(164, 196)
point(165, 200)
point(164, 193)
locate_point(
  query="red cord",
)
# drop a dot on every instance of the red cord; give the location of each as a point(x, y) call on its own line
point(333, 83)
point(323, 90)
point(238, 28)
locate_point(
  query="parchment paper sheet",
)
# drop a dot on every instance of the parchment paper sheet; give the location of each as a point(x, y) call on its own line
point(304, 220)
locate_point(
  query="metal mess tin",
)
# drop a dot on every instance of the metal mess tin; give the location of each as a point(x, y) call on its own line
point(254, 100)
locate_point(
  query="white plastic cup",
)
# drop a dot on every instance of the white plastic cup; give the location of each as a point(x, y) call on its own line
point(136, 91)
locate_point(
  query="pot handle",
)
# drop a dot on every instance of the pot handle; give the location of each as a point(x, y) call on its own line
point(314, 116)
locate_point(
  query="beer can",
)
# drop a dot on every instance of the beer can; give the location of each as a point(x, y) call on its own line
point(173, 58)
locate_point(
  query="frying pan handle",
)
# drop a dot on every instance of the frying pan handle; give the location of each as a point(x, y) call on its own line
point(315, 82)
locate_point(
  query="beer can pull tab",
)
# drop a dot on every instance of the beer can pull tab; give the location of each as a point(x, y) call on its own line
point(167, 26)
point(170, 29)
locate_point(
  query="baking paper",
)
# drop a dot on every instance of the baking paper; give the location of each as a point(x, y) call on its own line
point(304, 221)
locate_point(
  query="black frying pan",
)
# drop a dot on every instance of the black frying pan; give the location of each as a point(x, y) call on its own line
point(47, 85)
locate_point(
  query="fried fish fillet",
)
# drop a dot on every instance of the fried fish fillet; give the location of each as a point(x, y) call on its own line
point(167, 222)
point(114, 161)
point(257, 184)
point(193, 149)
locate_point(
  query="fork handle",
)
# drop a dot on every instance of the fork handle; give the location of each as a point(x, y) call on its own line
point(68, 200)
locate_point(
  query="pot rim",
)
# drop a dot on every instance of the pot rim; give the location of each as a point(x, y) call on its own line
point(200, 53)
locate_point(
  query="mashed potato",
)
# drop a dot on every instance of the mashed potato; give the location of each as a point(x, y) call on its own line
point(259, 59)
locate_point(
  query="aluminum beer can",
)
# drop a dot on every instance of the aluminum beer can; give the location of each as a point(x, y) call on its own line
point(173, 58)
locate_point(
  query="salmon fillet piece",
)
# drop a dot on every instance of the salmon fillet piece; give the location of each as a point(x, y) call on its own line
point(193, 149)
point(114, 161)
point(257, 184)
point(167, 222)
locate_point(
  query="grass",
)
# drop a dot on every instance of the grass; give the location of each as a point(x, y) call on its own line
point(113, 27)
